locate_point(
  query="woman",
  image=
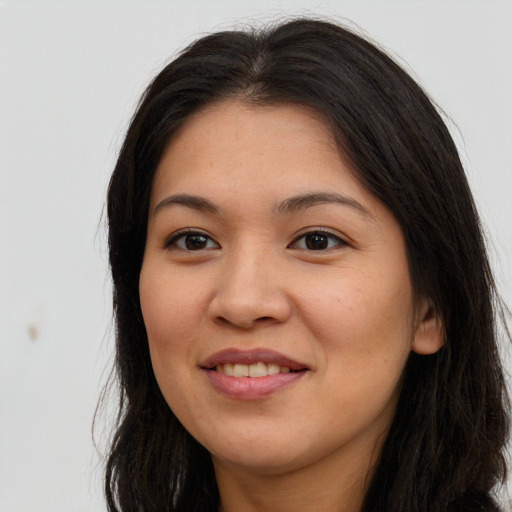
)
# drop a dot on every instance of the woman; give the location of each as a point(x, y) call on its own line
point(304, 306)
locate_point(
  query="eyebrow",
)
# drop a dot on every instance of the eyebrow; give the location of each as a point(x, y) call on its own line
point(290, 205)
point(195, 202)
point(304, 201)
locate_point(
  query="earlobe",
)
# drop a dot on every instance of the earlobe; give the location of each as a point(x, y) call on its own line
point(429, 332)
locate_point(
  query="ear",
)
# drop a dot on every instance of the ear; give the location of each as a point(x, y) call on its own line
point(429, 335)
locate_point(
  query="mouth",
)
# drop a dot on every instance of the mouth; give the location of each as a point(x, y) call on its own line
point(251, 363)
point(251, 374)
point(255, 370)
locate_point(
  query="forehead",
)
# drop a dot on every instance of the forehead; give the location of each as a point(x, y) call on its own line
point(230, 126)
point(287, 147)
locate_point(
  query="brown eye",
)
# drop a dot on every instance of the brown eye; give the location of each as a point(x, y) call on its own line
point(317, 241)
point(192, 241)
point(195, 242)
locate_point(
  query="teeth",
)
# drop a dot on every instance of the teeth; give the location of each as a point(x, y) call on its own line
point(241, 370)
point(272, 369)
point(259, 369)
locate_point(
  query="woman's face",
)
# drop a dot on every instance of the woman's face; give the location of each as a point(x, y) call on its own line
point(266, 257)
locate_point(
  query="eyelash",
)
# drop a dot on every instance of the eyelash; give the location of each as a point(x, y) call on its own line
point(172, 242)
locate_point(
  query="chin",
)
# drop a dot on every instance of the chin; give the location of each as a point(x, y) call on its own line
point(265, 452)
point(266, 462)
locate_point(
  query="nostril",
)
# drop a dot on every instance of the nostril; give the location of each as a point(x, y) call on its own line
point(248, 307)
point(244, 323)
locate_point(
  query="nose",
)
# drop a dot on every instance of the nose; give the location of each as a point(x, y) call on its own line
point(250, 293)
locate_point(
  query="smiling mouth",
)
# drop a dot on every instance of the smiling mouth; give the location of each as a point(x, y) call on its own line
point(256, 365)
point(255, 370)
point(249, 375)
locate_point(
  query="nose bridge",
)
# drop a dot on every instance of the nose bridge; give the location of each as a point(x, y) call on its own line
point(250, 289)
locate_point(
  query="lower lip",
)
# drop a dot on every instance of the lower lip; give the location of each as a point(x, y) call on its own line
point(251, 388)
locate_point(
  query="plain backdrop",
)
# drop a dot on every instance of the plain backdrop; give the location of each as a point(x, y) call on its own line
point(70, 75)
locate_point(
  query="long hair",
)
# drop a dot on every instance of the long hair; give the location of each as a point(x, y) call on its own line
point(444, 450)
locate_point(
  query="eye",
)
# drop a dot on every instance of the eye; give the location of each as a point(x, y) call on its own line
point(191, 241)
point(317, 241)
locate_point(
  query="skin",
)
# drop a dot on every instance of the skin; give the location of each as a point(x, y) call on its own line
point(347, 311)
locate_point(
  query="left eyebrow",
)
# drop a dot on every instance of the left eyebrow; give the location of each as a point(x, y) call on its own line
point(304, 201)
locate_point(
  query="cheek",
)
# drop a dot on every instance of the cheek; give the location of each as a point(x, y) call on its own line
point(364, 328)
point(171, 316)
point(359, 301)
point(364, 322)
point(170, 305)
point(172, 313)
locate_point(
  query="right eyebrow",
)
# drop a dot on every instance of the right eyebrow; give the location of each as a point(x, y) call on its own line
point(190, 201)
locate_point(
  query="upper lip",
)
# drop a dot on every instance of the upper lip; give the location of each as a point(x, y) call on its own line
point(240, 356)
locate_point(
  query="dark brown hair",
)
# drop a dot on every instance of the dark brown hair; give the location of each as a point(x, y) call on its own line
point(444, 451)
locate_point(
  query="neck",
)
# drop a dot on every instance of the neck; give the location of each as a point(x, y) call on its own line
point(335, 485)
